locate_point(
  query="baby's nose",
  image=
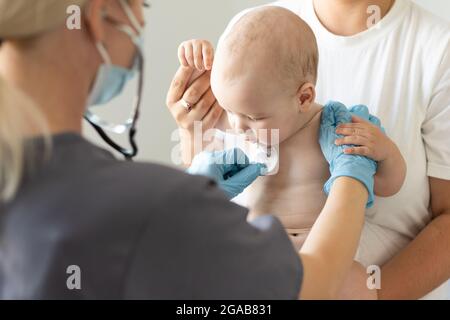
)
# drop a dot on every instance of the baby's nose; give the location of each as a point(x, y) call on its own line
point(240, 125)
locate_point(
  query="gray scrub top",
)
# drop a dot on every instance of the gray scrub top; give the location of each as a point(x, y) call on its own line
point(87, 226)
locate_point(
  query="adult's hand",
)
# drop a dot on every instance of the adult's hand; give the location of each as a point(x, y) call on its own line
point(341, 164)
point(231, 169)
point(192, 88)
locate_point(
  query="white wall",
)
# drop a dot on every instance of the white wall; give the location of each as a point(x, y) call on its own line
point(171, 22)
point(438, 7)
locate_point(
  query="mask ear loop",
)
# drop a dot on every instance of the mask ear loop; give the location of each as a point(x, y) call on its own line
point(103, 53)
point(130, 14)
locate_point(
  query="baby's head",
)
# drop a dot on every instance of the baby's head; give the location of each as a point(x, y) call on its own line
point(265, 71)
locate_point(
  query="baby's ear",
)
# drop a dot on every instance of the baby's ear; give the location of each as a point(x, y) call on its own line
point(306, 95)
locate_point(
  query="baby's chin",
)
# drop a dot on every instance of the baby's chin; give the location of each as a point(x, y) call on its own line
point(266, 144)
point(273, 139)
point(260, 142)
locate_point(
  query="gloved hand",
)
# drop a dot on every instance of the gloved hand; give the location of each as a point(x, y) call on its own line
point(363, 112)
point(357, 167)
point(231, 169)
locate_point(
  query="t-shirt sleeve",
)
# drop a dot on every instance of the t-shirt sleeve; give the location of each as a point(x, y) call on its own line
point(202, 247)
point(436, 127)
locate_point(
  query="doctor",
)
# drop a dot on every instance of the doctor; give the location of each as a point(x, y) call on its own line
point(78, 224)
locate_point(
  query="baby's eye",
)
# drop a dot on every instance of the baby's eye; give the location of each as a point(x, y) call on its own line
point(254, 119)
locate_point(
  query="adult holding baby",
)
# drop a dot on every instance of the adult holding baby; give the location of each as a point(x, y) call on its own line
point(407, 86)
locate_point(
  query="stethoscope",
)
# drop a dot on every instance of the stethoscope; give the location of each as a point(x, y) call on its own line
point(130, 125)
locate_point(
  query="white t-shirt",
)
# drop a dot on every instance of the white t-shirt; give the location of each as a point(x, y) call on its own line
point(400, 69)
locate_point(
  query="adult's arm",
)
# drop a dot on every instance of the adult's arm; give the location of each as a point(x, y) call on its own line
point(329, 250)
point(425, 263)
point(194, 88)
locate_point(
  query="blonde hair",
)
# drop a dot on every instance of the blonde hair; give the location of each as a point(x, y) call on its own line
point(18, 117)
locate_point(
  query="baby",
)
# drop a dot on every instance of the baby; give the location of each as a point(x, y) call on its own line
point(264, 75)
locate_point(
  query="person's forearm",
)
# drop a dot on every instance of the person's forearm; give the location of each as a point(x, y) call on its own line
point(390, 174)
point(187, 147)
point(328, 252)
point(420, 267)
point(192, 143)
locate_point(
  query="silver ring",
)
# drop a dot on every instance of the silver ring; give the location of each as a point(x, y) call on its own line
point(188, 106)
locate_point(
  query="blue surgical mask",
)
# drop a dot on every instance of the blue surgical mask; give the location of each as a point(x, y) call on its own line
point(111, 79)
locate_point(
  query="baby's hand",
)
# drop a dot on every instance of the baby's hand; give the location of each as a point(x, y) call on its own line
point(197, 54)
point(368, 138)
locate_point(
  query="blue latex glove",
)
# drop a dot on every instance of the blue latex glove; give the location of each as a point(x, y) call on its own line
point(357, 167)
point(363, 112)
point(231, 169)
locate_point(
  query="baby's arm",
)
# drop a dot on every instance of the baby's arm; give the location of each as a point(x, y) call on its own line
point(372, 142)
point(390, 174)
